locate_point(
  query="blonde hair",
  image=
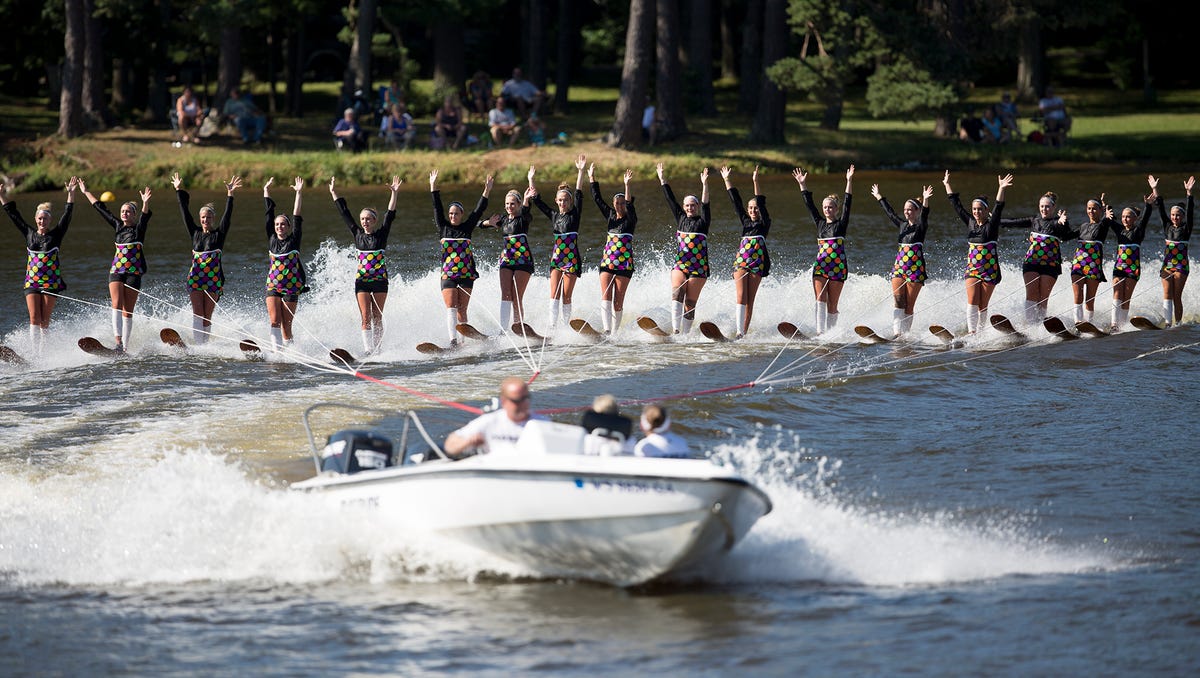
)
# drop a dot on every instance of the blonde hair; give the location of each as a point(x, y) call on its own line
point(516, 194)
point(1052, 196)
point(208, 207)
point(564, 188)
point(369, 209)
point(655, 419)
point(132, 205)
point(43, 207)
point(832, 197)
point(605, 404)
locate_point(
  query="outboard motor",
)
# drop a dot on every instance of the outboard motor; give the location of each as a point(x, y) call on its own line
point(354, 451)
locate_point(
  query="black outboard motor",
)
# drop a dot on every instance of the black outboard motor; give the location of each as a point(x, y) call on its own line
point(354, 451)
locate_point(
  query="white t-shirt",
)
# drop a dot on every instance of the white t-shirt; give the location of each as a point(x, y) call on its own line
point(648, 117)
point(662, 445)
point(499, 432)
point(1052, 108)
point(499, 117)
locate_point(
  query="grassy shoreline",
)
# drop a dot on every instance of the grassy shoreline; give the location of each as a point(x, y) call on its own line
point(1109, 132)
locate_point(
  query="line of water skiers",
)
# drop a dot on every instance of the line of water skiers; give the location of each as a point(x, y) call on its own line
point(285, 279)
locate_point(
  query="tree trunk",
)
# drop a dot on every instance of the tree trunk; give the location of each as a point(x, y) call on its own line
point(748, 85)
point(728, 60)
point(700, 56)
point(635, 76)
point(122, 88)
point(669, 74)
point(771, 114)
point(1031, 59)
point(566, 53)
point(158, 96)
point(535, 44)
point(229, 61)
point(1149, 96)
point(366, 28)
point(944, 125)
point(95, 110)
point(70, 106)
point(294, 49)
point(449, 66)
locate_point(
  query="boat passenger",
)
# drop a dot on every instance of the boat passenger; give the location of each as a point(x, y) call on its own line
point(496, 431)
point(983, 263)
point(565, 262)
point(129, 262)
point(609, 431)
point(659, 441)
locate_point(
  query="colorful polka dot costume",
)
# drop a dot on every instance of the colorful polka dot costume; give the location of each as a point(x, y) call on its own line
point(692, 254)
point(1175, 257)
point(1128, 263)
point(458, 259)
point(1043, 250)
point(206, 273)
point(752, 254)
point(910, 263)
point(618, 252)
point(42, 272)
point(982, 262)
point(516, 251)
point(831, 259)
point(128, 259)
point(566, 253)
point(372, 266)
point(1089, 260)
point(285, 276)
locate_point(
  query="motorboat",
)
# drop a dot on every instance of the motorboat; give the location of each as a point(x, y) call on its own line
point(558, 504)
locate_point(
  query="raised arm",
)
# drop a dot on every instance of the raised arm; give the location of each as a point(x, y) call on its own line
point(850, 180)
point(754, 180)
point(1004, 181)
point(394, 187)
point(887, 206)
point(145, 195)
point(580, 163)
point(298, 187)
point(926, 194)
point(704, 186)
point(628, 179)
point(333, 191)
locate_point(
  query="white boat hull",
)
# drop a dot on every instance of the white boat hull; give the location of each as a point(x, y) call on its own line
point(621, 520)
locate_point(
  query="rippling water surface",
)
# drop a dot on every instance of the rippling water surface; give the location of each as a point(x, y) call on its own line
point(997, 508)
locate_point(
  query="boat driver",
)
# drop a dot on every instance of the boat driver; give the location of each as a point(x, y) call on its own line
point(496, 431)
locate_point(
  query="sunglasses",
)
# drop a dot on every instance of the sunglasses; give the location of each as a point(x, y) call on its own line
point(522, 399)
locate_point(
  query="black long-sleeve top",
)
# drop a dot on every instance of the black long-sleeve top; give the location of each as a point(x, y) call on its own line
point(35, 241)
point(1137, 234)
point(829, 229)
point(122, 234)
point(616, 224)
point(518, 225)
point(201, 241)
point(1170, 231)
point(909, 233)
point(684, 223)
point(1097, 230)
point(367, 242)
point(1036, 224)
point(749, 226)
point(979, 232)
point(275, 244)
point(562, 222)
point(464, 229)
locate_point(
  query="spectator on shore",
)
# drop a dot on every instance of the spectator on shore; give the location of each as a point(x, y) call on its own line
point(389, 96)
point(479, 95)
point(1006, 110)
point(249, 120)
point(189, 114)
point(994, 131)
point(502, 123)
point(971, 127)
point(347, 134)
point(449, 124)
point(523, 94)
point(398, 128)
point(649, 122)
point(1054, 118)
point(536, 129)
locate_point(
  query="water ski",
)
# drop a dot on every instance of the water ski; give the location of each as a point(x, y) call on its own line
point(468, 330)
point(790, 331)
point(171, 338)
point(1143, 323)
point(340, 356)
point(647, 323)
point(524, 330)
point(870, 335)
point(1059, 329)
point(942, 333)
point(249, 348)
point(8, 355)
point(1089, 329)
point(93, 346)
point(585, 328)
point(1004, 326)
point(430, 348)
point(713, 332)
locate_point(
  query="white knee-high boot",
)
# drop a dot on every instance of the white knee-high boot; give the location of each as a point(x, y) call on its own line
point(676, 316)
point(276, 338)
point(616, 323)
point(1031, 312)
point(606, 315)
point(821, 316)
point(452, 325)
point(126, 329)
point(741, 328)
point(506, 316)
point(115, 317)
point(199, 336)
point(566, 313)
point(555, 309)
point(1169, 311)
point(897, 321)
point(830, 321)
point(972, 319)
point(1077, 313)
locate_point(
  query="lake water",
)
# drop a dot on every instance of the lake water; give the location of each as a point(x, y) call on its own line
point(995, 509)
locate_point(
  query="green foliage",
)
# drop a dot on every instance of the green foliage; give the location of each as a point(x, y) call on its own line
point(903, 90)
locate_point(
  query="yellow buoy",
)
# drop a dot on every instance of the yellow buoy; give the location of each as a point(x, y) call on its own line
point(107, 196)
